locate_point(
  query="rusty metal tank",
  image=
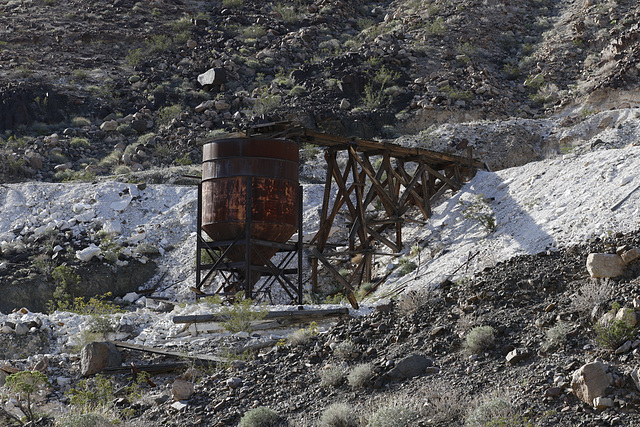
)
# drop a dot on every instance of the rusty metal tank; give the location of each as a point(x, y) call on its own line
point(270, 168)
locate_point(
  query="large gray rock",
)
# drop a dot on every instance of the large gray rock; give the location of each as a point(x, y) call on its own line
point(605, 265)
point(590, 381)
point(410, 366)
point(630, 255)
point(99, 355)
point(181, 389)
point(213, 76)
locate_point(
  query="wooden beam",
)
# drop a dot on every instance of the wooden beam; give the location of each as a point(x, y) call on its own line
point(284, 314)
point(203, 357)
point(346, 285)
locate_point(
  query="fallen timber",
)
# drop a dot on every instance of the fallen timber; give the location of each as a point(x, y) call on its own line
point(287, 315)
point(203, 358)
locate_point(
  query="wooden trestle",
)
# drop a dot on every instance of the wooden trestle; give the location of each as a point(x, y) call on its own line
point(399, 177)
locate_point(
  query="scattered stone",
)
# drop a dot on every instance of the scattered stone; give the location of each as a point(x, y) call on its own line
point(179, 405)
point(88, 253)
point(21, 329)
point(630, 255)
point(410, 366)
point(99, 355)
point(624, 348)
point(517, 355)
point(234, 382)
point(109, 126)
point(213, 76)
point(602, 403)
point(605, 265)
point(181, 389)
point(590, 381)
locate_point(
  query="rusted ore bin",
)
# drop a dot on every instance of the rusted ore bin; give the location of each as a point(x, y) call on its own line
point(270, 168)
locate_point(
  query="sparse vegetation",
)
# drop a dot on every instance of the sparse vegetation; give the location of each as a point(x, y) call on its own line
point(477, 209)
point(480, 339)
point(25, 385)
point(260, 417)
point(360, 375)
point(240, 315)
point(331, 376)
point(393, 416)
point(338, 415)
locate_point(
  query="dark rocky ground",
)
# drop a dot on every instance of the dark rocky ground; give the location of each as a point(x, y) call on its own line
point(371, 69)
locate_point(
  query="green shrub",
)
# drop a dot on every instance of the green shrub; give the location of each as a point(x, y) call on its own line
point(92, 393)
point(25, 384)
point(239, 316)
point(477, 209)
point(331, 376)
point(479, 339)
point(393, 416)
point(297, 90)
point(169, 113)
point(79, 122)
point(303, 336)
point(406, 266)
point(556, 337)
point(338, 415)
point(611, 334)
point(260, 417)
point(360, 375)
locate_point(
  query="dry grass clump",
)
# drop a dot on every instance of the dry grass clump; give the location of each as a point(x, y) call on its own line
point(338, 415)
point(495, 410)
point(393, 416)
point(479, 339)
point(591, 294)
point(260, 417)
point(360, 375)
point(331, 376)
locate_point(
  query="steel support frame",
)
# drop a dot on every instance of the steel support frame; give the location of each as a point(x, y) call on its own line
point(231, 271)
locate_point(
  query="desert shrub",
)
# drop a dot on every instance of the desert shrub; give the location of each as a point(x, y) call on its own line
point(406, 266)
point(338, 415)
point(25, 385)
point(444, 404)
point(360, 375)
point(239, 316)
point(478, 210)
point(89, 419)
point(331, 376)
point(345, 350)
point(260, 417)
point(479, 339)
point(611, 334)
point(79, 122)
point(591, 294)
point(92, 393)
point(393, 416)
point(303, 336)
point(169, 113)
point(556, 337)
point(493, 411)
point(297, 90)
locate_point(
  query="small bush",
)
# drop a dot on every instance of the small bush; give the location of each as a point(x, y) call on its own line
point(345, 350)
point(92, 393)
point(80, 122)
point(169, 113)
point(338, 415)
point(591, 294)
point(406, 266)
point(303, 336)
point(360, 375)
point(240, 315)
point(556, 337)
point(478, 210)
point(479, 339)
point(260, 417)
point(496, 411)
point(25, 385)
point(80, 142)
point(393, 416)
point(612, 334)
point(331, 376)
point(90, 419)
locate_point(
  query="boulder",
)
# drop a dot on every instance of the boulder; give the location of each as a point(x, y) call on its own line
point(109, 126)
point(88, 253)
point(602, 403)
point(517, 355)
point(410, 366)
point(605, 265)
point(630, 255)
point(213, 76)
point(181, 389)
point(590, 381)
point(99, 355)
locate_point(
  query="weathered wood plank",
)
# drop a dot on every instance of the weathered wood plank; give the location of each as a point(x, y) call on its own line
point(285, 314)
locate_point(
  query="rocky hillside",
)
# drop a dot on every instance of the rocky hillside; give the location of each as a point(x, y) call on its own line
point(109, 98)
point(94, 87)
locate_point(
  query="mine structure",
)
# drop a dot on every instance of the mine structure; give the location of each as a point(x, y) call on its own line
point(250, 204)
